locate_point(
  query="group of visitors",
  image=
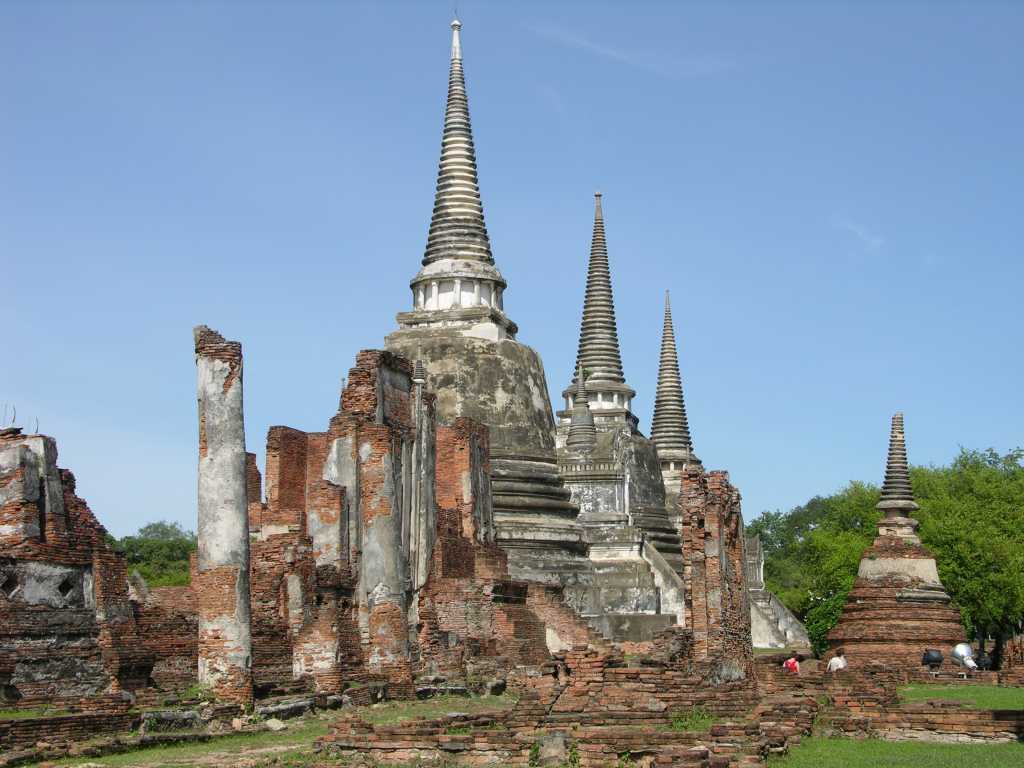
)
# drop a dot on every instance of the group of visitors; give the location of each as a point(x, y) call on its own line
point(835, 664)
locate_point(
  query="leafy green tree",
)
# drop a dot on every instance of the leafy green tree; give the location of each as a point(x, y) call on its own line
point(811, 561)
point(798, 545)
point(972, 518)
point(164, 531)
point(160, 551)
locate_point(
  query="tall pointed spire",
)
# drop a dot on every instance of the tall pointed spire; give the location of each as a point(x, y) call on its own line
point(599, 338)
point(670, 430)
point(897, 494)
point(457, 228)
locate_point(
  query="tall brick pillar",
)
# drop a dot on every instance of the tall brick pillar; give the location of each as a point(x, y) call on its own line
point(382, 565)
point(221, 580)
point(373, 458)
point(692, 506)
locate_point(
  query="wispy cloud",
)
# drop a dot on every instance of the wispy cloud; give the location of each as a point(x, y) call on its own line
point(868, 239)
point(657, 62)
point(554, 100)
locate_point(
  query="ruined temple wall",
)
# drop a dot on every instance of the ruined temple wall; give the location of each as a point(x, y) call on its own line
point(470, 612)
point(735, 615)
point(275, 548)
point(383, 502)
point(373, 457)
point(391, 502)
point(330, 497)
point(326, 513)
point(303, 619)
point(168, 625)
point(67, 628)
point(601, 688)
point(692, 501)
point(286, 481)
point(717, 603)
point(382, 560)
point(272, 561)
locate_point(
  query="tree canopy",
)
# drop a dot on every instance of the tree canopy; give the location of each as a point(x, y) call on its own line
point(160, 552)
point(972, 519)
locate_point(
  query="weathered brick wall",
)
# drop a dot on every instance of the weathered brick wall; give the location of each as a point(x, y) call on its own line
point(286, 480)
point(602, 689)
point(66, 625)
point(378, 389)
point(937, 721)
point(326, 647)
point(121, 644)
point(20, 734)
point(717, 604)
point(253, 480)
point(607, 712)
point(168, 627)
point(347, 619)
point(275, 547)
point(501, 739)
point(469, 609)
point(272, 559)
point(865, 702)
point(305, 563)
point(216, 591)
point(1013, 654)
point(303, 618)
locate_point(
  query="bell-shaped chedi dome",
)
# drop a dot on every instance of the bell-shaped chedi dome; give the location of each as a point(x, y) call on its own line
point(459, 332)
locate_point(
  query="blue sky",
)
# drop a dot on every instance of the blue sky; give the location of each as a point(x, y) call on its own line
point(832, 193)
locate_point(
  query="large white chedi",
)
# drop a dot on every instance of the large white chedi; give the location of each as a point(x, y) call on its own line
point(459, 331)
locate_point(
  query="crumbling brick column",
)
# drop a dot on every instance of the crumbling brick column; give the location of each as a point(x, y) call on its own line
point(221, 581)
point(382, 564)
point(692, 503)
point(717, 606)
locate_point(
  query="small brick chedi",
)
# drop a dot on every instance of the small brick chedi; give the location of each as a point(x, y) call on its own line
point(898, 607)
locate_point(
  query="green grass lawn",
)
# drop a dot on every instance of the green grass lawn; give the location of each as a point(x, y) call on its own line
point(872, 753)
point(213, 753)
point(391, 712)
point(975, 696)
point(768, 651)
point(28, 714)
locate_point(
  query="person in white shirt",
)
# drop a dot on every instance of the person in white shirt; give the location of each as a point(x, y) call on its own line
point(837, 662)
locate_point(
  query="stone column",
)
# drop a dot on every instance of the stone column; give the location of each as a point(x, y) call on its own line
point(221, 580)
